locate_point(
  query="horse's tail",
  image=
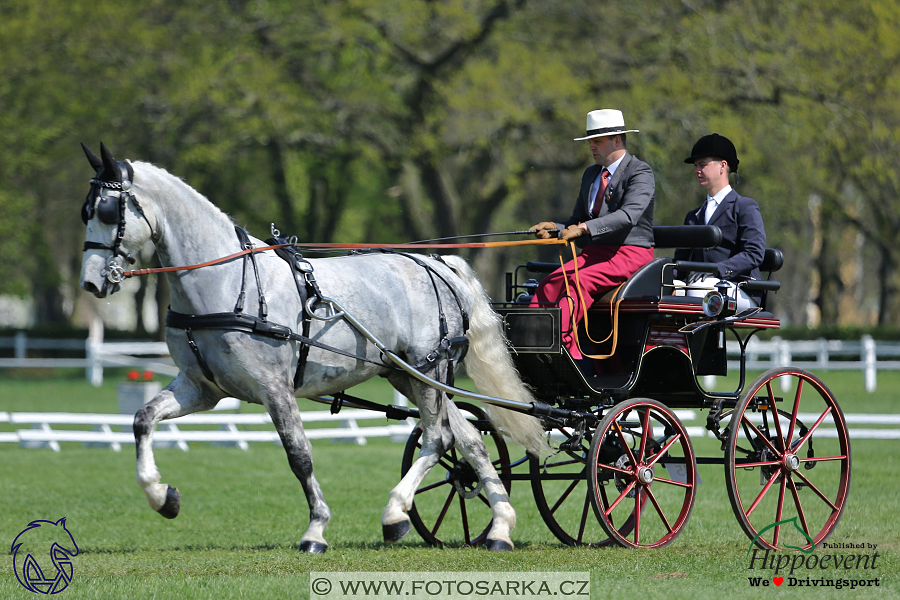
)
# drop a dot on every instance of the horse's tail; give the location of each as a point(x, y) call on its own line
point(490, 365)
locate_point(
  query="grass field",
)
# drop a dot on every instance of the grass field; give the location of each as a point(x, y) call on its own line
point(243, 514)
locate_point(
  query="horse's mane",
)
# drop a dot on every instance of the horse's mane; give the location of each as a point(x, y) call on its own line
point(158, 180)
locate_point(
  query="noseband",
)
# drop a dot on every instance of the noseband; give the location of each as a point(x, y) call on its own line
point(111, 210)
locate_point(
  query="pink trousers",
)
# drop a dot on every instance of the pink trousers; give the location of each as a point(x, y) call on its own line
point(600, 269)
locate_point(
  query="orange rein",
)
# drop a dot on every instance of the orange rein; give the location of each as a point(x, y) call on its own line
point(613, 310)
point(217, 261)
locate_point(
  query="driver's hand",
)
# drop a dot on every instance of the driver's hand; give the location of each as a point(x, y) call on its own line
point(541, 229)
point(571, 232)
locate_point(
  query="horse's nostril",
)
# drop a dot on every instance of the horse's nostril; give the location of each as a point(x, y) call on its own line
point(89, 286)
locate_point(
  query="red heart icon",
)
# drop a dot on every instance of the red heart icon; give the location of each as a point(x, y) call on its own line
point(778, 580)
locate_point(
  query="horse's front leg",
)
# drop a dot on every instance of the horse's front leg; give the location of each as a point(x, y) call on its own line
point(181, 397)
point(285, 415)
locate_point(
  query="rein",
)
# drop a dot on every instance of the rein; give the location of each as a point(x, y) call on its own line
point(415, 246)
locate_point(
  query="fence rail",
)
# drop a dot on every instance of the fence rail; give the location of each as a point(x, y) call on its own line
point(48, 429)
point(866, 355)
point(111, 430)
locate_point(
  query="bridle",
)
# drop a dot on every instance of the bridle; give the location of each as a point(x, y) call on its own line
point(111, 209)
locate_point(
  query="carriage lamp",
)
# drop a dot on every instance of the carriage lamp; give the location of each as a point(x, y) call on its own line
point(713, 303)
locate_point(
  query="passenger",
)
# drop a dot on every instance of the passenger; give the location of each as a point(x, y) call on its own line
point(614, 212)
point(743, 236)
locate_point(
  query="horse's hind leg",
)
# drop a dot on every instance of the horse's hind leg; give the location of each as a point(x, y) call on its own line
point(436, 439)
point(181, 397)
point(471, 445)
point(286, 417)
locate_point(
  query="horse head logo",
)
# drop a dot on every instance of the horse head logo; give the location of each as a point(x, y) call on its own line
point(30, 550)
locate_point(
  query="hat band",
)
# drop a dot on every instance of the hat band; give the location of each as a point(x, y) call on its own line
point(603, 130)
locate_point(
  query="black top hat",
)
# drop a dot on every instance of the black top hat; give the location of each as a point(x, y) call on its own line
point(717, 146)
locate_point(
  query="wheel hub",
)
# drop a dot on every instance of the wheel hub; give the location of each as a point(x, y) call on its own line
point(645, 475)
point(791, 462)
point(465, 480)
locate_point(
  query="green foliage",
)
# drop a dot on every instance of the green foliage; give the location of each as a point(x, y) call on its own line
point(372, 120)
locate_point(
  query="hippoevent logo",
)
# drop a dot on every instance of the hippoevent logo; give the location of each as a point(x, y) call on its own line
point(42, 556)
point(806, 568)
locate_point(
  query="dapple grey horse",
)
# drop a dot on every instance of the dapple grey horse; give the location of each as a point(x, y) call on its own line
point(133, 203)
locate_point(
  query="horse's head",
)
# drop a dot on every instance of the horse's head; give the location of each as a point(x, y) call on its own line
point(117, 227)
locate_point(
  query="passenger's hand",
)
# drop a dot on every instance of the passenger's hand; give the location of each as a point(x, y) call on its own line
point(572, 231)
point(540, 229)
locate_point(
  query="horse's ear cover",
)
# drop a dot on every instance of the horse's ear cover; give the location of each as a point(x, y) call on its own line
point(92, 158)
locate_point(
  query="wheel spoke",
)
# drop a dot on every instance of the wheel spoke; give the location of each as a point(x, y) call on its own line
point(796, 409)
point(767, 463)
point(775, 417)
point(665, 449)
point(584, 515)
point(432, 486)
point(565, 495)
point(799, 506)
point(813, 428)
point(625, 445)
point(637, 517)
point(465, 520)
point(779, 513)
point(671, 482)
point(658, 508)
point(607, 467)
point(815, 459)
point(762, 493)
point(621, 497)
point(825, 498)
point(645, 427)
point(759, 434)
point(440, 519)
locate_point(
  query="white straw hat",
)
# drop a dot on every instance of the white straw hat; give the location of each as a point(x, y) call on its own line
point(603, 122)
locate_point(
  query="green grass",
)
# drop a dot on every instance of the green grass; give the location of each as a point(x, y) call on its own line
point(243, 514)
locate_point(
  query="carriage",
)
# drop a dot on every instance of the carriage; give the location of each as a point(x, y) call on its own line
point(624, 470)
point(608, 457)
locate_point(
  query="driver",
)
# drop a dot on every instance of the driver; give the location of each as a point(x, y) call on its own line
point(613, 215)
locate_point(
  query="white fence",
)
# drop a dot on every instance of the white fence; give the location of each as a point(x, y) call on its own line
point(49, 429)
point(111, 431)
point(866, 355)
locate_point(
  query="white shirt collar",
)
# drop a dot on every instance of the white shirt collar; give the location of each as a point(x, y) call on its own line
point(612, 168)
point(720, 195)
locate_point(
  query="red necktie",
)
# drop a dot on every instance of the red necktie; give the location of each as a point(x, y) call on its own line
point(601, 189)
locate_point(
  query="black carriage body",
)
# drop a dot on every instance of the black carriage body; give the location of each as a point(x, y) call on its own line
point(641, 328)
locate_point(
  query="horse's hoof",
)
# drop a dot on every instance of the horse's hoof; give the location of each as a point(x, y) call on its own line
point(173, 503)
point(395, 531)
point(498, 546)
point(313, 547)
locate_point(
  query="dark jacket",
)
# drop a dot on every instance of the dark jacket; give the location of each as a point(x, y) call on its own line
point(626, 216)
point(743, 238)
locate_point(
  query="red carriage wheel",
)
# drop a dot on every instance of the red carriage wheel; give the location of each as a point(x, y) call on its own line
point(642, 463)
point(787, 462)
point(450, 507)
point(562, 495)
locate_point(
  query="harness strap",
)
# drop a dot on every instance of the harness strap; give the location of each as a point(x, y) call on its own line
point(248, 324)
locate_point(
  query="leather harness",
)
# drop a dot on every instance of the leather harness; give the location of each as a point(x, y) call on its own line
point(307, 288)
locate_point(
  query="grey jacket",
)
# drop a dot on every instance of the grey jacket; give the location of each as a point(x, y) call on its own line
point(626, 216)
